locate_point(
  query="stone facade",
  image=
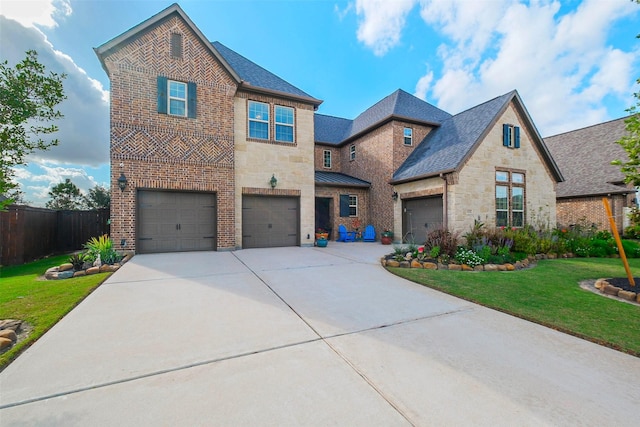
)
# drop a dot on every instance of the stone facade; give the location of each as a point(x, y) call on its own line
point(163, 152)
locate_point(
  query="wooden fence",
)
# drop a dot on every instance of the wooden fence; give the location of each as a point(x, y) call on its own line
point(28, 233)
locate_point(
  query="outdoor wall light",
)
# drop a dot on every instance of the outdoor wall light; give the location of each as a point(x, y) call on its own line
point(273, 181)
point(394, 196)
point(122, 181)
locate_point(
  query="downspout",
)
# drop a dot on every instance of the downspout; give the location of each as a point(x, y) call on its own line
point(445, 219)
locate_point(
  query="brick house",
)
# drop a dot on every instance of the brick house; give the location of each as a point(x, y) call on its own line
point(587, 181)
point(217, 153)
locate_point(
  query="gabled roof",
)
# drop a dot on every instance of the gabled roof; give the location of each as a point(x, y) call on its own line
point(584, 157)
point(400, 105)
point(446, 148)
point(245, 73)
point(338, 179)
point(255, 77)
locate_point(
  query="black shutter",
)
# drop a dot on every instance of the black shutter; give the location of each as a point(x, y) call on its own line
point(162, 95)
point(506, 135)
point(192, 100)
point(516, 136)
point(344, 205)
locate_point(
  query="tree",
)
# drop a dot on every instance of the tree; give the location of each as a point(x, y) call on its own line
point(28, 100)
point(98, 198)
point(66, 196)
point(631, 142)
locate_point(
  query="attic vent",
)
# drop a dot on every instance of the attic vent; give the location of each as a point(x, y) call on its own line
point(176, 45)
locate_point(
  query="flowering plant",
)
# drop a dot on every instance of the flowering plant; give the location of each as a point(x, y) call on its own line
point(387, 233)
point(321, 231)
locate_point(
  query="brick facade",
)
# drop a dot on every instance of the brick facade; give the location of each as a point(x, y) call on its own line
point(163, 152)
point(590, 211)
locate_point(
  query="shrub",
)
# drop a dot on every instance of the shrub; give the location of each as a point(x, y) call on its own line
point(467, 256)
point(633, 231)
point(631, 248)
point(102, 246)
point(77, 260)
point(443, 239)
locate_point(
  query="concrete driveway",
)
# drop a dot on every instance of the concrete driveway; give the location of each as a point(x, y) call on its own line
point(305, 336)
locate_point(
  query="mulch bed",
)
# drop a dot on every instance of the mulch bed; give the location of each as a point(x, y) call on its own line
point(623, 282)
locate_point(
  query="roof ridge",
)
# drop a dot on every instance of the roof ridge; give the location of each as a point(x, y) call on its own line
point(589, 126)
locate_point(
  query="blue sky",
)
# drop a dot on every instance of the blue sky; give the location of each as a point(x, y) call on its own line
point(574, 63)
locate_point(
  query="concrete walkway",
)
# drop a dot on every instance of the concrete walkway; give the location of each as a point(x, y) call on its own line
point(305, 336)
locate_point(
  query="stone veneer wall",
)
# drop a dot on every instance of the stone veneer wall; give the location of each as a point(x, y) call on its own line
point(162, 152)
point(292, 164)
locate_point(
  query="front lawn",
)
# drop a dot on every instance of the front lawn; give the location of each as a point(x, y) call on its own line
point(24, 296)
point(549, 294)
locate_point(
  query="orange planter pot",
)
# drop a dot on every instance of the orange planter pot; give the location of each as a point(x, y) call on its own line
point(322, 236)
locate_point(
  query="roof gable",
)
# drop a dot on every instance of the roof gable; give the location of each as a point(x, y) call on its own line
point(446, 148)
point(584, 157)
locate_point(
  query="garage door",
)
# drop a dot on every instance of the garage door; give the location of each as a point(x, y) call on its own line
point(269, 222)
point(174, 221)
point(419, 217)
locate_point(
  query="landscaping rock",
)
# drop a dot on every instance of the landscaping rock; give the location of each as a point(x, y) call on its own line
point(9, 334)
point(490, 267)
point(430, 265)
point(465, 267)
point(80, 273)
point(93, 270)
point(104, 268)
point(65, 274)
point(502, 267)
point(628, 295)
point(393, 263)
point(51, 274)
point(638, 298)
point(405, 264)
point(525, 262)
point(611, 290)
point(12, 324)
point(455, 267)
point(509, 267)
point(442, 266)
point(478, 268)
point(416, 264)
point(65, 267)
point(600, 284)
point(5, 343)
point(518, 265)
point(552, 256)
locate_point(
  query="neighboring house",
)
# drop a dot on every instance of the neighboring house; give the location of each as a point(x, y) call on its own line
point(584, 157)
point(219, 153)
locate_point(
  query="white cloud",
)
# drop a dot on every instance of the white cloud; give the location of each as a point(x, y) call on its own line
point(31, 13)
point(560, 64)
point(84, 131)
point(424, 85)
point(381, 22)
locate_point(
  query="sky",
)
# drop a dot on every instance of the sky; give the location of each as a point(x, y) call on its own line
point(574, 63)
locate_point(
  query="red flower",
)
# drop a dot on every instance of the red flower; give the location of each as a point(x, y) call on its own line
point(421, 249)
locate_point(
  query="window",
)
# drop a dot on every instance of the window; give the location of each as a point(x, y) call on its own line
point(352, 152)
point(510, 199)
point(353, 205)
point(176, 45)
point(284, 124)
point(510, 136)
point(326, 159)
point(177, 98)
point(258, 120)
point(408, 136)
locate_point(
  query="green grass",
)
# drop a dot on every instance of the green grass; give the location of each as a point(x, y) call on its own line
point(24, 296)
point(549, 294)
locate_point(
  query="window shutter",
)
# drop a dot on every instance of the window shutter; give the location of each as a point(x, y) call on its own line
point(162, 95)
point(516, 136)
point(506, 135)
point(344, 205)
point(192, 99)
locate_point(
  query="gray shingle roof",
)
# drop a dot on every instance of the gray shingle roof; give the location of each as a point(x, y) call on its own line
point(339, 179)
point(584, 156)
point(446, 147)
point(255, 76)
point(400, 105)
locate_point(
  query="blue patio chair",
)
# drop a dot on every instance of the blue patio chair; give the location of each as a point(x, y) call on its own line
point(369, 234)
point(344, 235)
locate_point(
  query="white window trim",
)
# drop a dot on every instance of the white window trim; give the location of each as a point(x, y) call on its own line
point(170, 98)
point(258, 120)
point(291, 125)
point(324, 159)
point(353, 205)
point(404, 136)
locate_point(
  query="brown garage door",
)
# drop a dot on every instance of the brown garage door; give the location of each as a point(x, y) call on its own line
point(419, 217)
point(269, 222)
point(175, 222)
